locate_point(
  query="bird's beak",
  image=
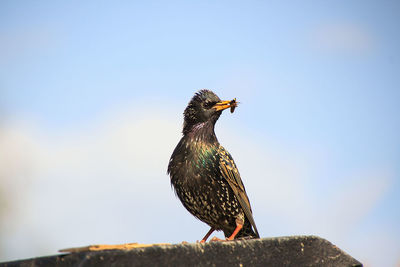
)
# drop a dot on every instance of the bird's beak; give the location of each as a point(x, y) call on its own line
point(226, 104)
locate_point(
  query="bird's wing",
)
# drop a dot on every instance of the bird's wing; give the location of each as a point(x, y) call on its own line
point(232, 176)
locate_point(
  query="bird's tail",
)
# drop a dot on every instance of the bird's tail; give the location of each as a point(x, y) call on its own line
point(247, 232)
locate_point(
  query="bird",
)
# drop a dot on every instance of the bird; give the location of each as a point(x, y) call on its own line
point(204, 175)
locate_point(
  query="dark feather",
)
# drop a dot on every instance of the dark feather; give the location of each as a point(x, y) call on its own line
point(203, 173)
point(232, 176)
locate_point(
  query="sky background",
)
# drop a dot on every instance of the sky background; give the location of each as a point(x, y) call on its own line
point(91, 102)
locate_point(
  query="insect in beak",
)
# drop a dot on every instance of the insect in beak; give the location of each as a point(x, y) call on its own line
point(226, 104)
point(233, 104)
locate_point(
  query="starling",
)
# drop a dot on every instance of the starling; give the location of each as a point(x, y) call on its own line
point(204, 175)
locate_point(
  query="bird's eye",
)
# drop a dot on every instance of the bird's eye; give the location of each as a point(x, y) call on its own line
point(208, 104)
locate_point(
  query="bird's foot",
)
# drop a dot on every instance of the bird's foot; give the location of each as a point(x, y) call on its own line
point(207, 235)
point(185, 242)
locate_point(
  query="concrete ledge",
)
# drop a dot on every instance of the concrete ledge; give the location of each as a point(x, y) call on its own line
point(279, 251)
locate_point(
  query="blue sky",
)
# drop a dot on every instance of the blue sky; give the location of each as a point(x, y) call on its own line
point(92, 94)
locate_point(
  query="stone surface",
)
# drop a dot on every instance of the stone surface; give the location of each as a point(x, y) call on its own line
point(280, 251)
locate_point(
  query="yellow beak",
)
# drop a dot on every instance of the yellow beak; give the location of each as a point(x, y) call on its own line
point(226, 104)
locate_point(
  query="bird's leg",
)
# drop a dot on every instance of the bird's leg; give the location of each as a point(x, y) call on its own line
point(207, 235)
point(239, 227)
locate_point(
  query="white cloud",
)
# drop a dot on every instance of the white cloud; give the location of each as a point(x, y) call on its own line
point(108, 184)
point(58, 185)
point(348, 38)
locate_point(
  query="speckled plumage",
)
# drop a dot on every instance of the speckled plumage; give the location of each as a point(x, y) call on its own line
point(204, 175)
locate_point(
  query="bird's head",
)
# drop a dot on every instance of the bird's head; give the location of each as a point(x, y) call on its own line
point(205, 106)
